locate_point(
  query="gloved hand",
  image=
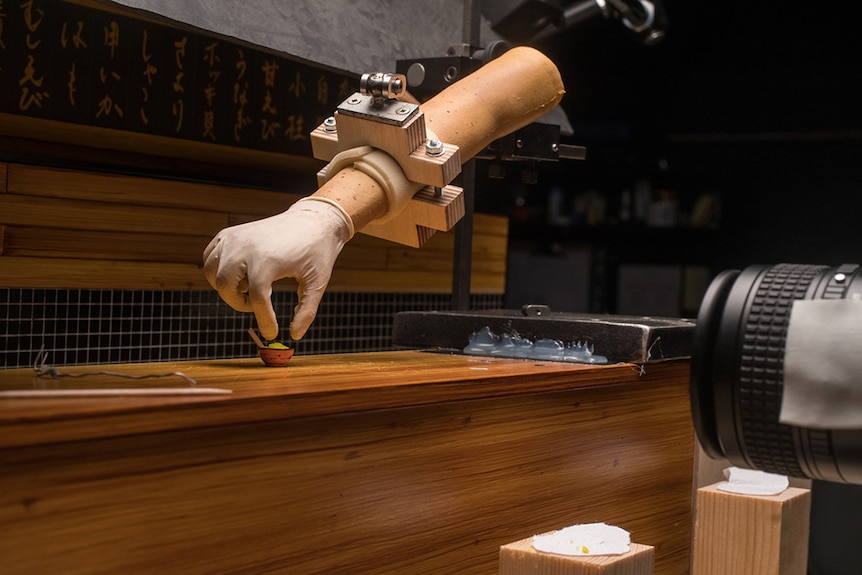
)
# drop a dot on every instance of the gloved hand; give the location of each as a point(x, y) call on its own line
point(243, 261)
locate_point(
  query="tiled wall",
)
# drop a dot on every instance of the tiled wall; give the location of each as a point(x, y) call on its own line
point(119, 326)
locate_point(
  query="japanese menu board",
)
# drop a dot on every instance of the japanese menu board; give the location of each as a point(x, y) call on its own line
point(73, 63)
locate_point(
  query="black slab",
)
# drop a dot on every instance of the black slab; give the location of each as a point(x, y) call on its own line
point(619, 338)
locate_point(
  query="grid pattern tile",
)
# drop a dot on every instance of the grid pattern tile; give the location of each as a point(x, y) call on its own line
point(79, 327)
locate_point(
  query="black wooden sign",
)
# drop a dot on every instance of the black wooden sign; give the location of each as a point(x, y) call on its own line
point(73, 63)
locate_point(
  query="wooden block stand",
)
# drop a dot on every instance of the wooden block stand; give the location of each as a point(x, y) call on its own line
point(519, 558)
point(751, 534)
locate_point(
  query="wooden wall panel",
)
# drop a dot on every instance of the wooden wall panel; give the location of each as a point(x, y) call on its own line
point(102, 245)
point(99, 274)
point(61, 213)
point(77, 229)
point(124, 189)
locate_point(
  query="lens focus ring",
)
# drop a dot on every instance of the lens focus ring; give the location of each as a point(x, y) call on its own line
point(768, 443)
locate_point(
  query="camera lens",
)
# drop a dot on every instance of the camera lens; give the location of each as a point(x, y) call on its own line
point(737, 371)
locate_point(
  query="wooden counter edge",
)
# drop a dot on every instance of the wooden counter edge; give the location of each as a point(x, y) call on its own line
point(33, 421)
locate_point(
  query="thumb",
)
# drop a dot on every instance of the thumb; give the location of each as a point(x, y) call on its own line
point(305, 312)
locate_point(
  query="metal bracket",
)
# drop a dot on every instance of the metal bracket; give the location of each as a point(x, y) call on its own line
point(393, 112)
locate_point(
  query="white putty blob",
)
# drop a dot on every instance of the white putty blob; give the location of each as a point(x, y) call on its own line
point(584, 539)
point(753, 482)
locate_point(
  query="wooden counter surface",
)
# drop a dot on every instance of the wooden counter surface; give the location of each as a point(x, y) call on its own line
point(404, 463)
point(308, 386)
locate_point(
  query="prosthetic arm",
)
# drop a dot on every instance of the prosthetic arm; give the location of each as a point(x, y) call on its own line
point(369, 186)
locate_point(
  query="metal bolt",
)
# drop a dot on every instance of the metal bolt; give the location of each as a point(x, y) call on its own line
point(555, 148)
point(329, 124)
point(840, 278)
point(415, 74)
point(434, 148)
point(519, 143)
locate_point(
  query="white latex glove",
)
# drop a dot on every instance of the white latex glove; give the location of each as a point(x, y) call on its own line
point(243, 261)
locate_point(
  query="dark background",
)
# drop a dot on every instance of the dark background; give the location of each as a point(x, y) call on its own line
point(756, 103)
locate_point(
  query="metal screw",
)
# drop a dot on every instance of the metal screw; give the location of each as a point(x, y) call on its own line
point(434, 148)
point(329, 124)
point(519, 143)
point(354, 100)
point(403, 111)
point(555, 147)
point(840, 278)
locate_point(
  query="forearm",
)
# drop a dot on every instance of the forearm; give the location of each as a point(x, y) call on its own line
point(506, 94)
point(361, 196)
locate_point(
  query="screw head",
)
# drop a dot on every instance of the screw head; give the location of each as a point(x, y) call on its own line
point(329, 124)
point(354, 100)
point(402, 111)
point(434, 147)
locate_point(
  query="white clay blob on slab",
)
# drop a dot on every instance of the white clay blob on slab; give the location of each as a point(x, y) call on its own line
point(584, 539)
point(753, 482)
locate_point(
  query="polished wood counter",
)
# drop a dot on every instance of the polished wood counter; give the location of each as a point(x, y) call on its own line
point(397, 462)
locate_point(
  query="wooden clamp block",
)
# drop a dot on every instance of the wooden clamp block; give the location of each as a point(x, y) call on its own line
point(399, 130)
point(427, 213)
point(519, 558)
point(405, 143)
point(751, 534)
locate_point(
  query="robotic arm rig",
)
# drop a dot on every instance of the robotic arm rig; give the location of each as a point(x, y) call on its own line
point(369, 179)
point(241, 263)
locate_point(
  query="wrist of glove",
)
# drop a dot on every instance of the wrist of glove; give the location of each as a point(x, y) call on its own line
point(242, 262)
